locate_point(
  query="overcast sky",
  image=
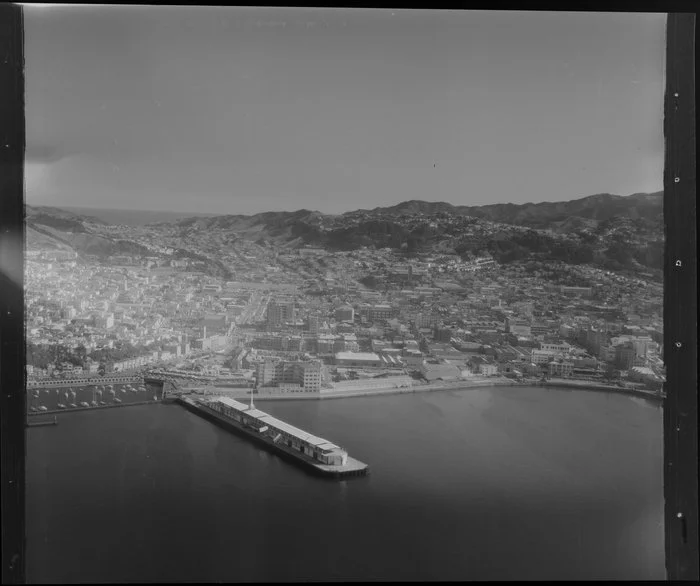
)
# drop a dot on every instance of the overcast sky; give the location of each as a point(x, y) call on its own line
point(242, 110)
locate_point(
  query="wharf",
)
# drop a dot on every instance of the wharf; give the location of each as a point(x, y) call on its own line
point(91, 408)
point(352, 467)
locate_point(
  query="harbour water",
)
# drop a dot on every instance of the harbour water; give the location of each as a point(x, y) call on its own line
point(489, 484)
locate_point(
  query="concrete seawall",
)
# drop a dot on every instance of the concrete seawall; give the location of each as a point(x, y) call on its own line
point(389, 390)
point(462, 385)
point(583, 386)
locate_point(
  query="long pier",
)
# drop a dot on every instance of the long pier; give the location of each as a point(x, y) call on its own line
point(314, 454)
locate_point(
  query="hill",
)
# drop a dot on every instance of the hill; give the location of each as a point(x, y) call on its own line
point(611, 231)
point(589, 210)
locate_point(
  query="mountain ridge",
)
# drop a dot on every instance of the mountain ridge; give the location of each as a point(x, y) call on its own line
point(616, 232)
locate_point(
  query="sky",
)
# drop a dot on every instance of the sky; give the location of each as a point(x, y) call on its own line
point(238, 110)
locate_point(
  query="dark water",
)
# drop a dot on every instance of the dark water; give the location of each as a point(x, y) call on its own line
point(487, 484)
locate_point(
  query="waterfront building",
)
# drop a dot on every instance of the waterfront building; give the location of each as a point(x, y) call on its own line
point(488, 369)
point(560, 368)
point(439, 371)
point(625, 355)
point(297, 375)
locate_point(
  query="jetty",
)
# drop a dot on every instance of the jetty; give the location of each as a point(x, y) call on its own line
point(315, 454)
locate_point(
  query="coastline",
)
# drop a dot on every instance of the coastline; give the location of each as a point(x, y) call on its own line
point(460, 385)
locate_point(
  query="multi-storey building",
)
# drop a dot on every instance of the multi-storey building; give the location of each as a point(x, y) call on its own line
point(518, 327)
point(345, 313)
point(558, 347)
point(560, 368)
point(280, 311)
point(542, 356)
point(313, 324)
point(378, 312)
point(303, 376)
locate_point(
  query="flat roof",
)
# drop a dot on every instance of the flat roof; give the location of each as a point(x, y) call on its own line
point(279, 425)
point(296, 432)
point(357, 356)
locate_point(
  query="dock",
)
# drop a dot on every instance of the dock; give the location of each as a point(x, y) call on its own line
point(314, 454)
point(91, 408)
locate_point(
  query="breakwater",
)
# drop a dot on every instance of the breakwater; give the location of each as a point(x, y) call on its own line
point(586, 386)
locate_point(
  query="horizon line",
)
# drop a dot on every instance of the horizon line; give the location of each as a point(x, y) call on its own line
point(213, 214)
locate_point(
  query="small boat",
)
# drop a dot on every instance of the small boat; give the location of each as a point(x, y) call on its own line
point(94, 403)
point(43, 408)
point(61, 406)
point(84, 404)
point(117, 400)
point(33, 409)
point(72, 405)
point(102, 403)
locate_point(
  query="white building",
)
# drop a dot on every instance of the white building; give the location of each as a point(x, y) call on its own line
point(359, 359)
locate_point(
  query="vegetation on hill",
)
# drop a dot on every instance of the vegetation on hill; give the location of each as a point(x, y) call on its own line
point(610, 231)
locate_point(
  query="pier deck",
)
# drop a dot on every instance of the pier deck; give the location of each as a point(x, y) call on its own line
point(352, 467)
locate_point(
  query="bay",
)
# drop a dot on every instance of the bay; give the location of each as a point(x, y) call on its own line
point(481, 484)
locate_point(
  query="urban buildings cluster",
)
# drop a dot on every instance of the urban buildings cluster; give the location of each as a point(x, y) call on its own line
point(306, 320)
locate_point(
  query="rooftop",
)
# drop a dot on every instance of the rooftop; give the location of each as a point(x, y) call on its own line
point(357, 356)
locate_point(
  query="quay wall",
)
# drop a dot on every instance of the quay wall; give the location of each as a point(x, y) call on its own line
point(460, 385)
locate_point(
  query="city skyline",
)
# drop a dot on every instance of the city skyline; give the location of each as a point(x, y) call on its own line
point(138, 109)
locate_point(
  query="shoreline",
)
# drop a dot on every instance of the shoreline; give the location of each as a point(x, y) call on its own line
point(461, 385)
